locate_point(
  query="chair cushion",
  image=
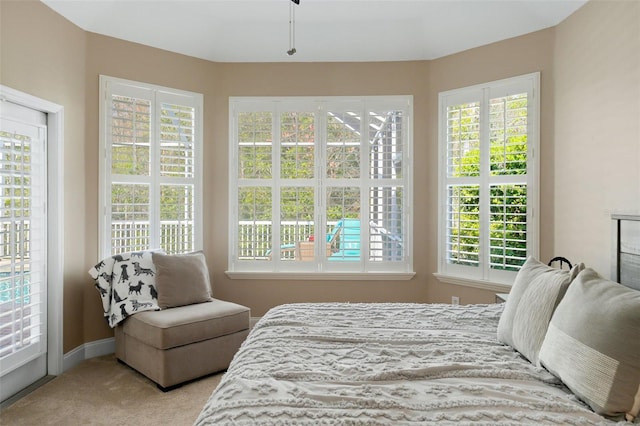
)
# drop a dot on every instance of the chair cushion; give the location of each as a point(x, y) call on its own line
point(170, 328)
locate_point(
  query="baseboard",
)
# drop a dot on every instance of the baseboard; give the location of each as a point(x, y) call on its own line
point(253, 321)
point(87, 351)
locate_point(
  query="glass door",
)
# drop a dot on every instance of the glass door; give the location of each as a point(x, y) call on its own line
point(23, 287)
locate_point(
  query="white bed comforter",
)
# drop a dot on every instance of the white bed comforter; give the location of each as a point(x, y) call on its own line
point(386, 364)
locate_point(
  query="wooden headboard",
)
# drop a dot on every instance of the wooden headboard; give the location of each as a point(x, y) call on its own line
point(626, 250)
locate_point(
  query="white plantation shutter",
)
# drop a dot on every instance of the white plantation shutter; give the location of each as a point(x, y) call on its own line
point(463, 183)
point(508, 191)
point(320, 185)
point(488, 136)
point(23, 298)
point(386, 201)
point(177, 175)
point(131, 132)
point(151, 186)
point(253, 145)
point(297, 136)
point(343, 186)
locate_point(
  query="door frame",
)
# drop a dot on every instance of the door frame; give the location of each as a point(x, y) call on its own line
point(55, 219)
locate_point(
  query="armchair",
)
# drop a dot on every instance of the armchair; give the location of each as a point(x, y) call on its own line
point(167, 325)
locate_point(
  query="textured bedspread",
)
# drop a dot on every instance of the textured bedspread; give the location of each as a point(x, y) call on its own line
point(386, 364)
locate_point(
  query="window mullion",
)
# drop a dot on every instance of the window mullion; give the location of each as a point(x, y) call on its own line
point(320, 161)
point(106, 176)
point(154, 174)
point(234, 181)
point(485, 148)
point(365, 185)
point(276, 181)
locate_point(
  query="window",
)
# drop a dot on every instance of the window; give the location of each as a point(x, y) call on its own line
point(320, 185)
point(488, 179)
point(151, 184)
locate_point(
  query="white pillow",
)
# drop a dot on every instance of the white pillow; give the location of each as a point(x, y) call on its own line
point(535, 294)
point(593, 344)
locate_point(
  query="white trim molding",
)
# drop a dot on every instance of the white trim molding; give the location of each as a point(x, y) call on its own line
point(156, 99)
point(89, 350)
point(469, 252)
point(322, 276)
point(468, 282)
point(355, 192)
point(55, 221)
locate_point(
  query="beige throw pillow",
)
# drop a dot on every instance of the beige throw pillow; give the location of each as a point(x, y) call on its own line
point(536, 292)
point(593, 344)
point(182, 279)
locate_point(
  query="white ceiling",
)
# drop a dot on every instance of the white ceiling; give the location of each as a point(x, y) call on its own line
point(326, 30)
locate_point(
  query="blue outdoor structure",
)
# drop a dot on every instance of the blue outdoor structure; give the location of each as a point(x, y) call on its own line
point(344, 243)
point(347, 245)
point(344, 239)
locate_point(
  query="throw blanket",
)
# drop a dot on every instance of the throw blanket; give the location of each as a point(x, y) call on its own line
point(126, 283)
point(386, 364)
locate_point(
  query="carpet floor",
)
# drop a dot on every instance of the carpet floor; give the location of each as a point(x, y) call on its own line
point(102, 391)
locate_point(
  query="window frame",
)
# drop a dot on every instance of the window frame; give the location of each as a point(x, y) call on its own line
point(155, 180)
point(484, 276)
point(319, 269)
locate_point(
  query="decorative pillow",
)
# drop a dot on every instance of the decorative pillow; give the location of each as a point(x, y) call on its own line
point(593, 344)
point(535, 294)
point(183, 279)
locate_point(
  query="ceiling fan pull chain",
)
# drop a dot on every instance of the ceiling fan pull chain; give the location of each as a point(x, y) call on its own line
point(292, 28)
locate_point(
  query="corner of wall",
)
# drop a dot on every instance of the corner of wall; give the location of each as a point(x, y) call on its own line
point(87, 351)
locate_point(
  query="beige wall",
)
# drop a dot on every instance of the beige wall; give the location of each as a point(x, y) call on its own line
point(597, 130)
point(310, 79)
point(44, 55)
point(117, 58)
point(74, 60)
point(517, 56)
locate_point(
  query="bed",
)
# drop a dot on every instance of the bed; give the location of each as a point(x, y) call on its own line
point(549, 355)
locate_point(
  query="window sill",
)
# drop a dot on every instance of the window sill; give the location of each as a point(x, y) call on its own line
point(324, 276)
point(468, 282)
